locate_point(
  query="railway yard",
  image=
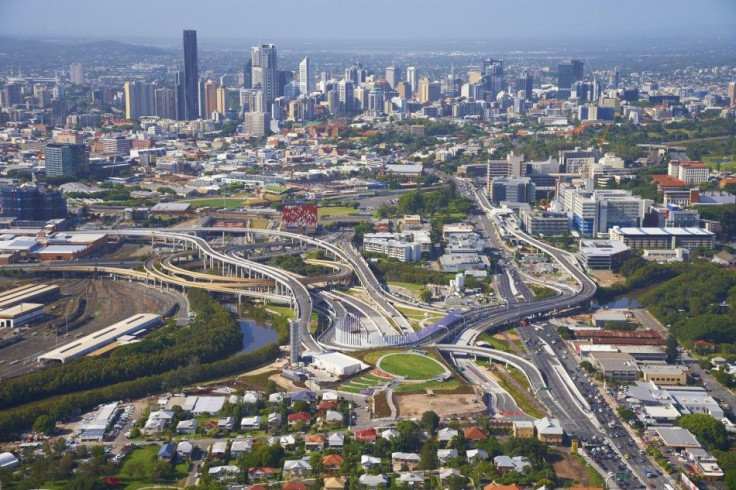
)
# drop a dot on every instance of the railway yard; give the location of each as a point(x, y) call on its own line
point(84, 306)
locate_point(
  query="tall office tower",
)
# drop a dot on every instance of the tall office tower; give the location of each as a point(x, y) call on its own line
point(64, 159)
point(265, 72)
point(404, 90)
point(306, 78)
point(76, 74)
point(284, 77)
point(221, 100)
point(323, 77)
point(333, 101)
point(732, 94)
point(165, 103)
point(493, 67)
point(615, 79)
point(202, 99)
point(33, 203)
point(351, 75)
point(180, 95)
point(525, 83)
point(191, 76)
point(346, 96)
point(248, 74)
point(12, 94)
point(428, 91)
point(568, 72)
point(139, 100)
point(392, 76)
point(375, 102)
point(411, 77)
point(210, 98)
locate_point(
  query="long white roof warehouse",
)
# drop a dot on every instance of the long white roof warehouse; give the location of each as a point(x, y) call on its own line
point(101, 338)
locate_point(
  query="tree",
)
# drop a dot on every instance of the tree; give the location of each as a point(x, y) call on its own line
point(425, 295)
point(44, 424)
point(671, 350)
point(430, 422)
point(409, 438)
point(707, 429)
point(428, 459)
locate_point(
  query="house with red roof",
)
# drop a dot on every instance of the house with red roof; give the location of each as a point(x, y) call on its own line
point(366, 435)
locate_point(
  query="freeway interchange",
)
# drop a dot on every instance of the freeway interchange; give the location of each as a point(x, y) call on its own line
point(555, 380)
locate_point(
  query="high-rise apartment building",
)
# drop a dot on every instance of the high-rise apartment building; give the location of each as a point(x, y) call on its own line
point(248, 74)
point(139, 100)
point(221, 100)
point(346, 96)
point(164, 100)
point(76, 74)
point(65, 159)
point(210, 99)
point(411, 77)
point(191, 76)
point(265, 72)
point(392, 75)
point(732, 94)
point(306, 78)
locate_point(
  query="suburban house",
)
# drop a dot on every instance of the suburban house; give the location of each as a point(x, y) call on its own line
point(332, 462)
point(335, 483)
point(373, 481)
point(299, 418)
point(474, 434)
point(333, 417)
point(296, 468)
point(167, 451)
point(549, 430)
point(504, 464)
point(261, 473)
point(446, 434)
point(389, 434)
point(187, 427)
point(366, 435)
point(218, 449)
point(251, 423)
point(336, 440)
point(157, 422)
point(314, 442)
point(226, 423)
point(251, 397)
point(523, 428)
point(184, 450)
point(276, 398)
point(369, 462)
point(412, 479)
point(404, 461)
point(240, 447)
point(473, 455)
point(446, 473)
point(446, 454)
point(275, 419)
point(287, 442)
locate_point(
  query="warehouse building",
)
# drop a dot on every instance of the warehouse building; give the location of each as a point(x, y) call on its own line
point(21, 314)
point(94, 341)
point(27, 294)
point(337, 363)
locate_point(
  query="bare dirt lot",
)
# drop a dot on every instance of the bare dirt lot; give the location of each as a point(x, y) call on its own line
point(606, 278)
point(443, 405)
point(569, 467)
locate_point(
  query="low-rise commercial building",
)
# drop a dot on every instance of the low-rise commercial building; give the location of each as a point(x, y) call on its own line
point(666, 375)
point(537, 222)
point(616, 366)
point(603, 254)
point(463, 262)
point(663, 237)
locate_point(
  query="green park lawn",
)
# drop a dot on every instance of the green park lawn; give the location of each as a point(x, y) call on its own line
point(336, 211)
point(218, 202)
point(411, 366)
point(407, 285)
point(140, 461)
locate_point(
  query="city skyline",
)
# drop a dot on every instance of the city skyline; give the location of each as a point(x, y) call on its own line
point(542, 20)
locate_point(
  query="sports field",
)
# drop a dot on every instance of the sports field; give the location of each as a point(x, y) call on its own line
point(336, 211)
point(411, 366)
point(218, 202)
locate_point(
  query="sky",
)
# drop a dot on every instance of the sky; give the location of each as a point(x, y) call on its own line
point(378, 20)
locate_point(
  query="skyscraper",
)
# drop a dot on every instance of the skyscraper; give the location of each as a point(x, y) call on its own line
point(191, 76)
point(411, 77)
point(525, 83)
point(306, 79)
point(392, 76)
point(165, 103)
point(222, 100)
point(568, 72)
point(346, 96)
point(732, 94)
point(180, 96)
point(76, 73)
point(139, 100)
point(265, 72)
point(210, 98)
point(248, 74)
